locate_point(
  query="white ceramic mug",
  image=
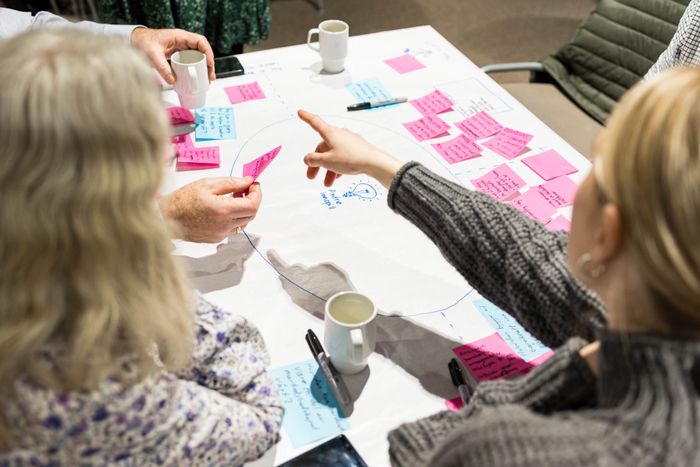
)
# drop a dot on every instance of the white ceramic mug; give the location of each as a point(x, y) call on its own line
point(191, 77)
point(332, 44)
point(350, 331)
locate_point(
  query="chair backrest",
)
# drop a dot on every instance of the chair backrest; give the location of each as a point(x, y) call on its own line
point(613, 49)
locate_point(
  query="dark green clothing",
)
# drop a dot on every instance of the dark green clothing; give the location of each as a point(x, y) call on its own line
point(225, 23)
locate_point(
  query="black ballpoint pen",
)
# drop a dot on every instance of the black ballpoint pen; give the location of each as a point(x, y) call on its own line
point(458, 379)
point(373, 104)
point(335, 381)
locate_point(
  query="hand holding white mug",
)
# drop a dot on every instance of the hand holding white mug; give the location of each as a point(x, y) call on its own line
point(191, 78)
point(332, 44)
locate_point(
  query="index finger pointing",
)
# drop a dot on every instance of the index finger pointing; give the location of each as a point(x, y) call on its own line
point(315, 122)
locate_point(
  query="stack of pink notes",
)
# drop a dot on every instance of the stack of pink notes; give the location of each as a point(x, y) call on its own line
point(428, 127)
point(434, 103)
point(404, 63)
point(479, 126)
point(509, 143)
point(501, 183)
point(542, 201)
point(492, 358)
point(457, 150)
point(244, 92)
point(180, 115)
point(192, 158)
point(549, 165)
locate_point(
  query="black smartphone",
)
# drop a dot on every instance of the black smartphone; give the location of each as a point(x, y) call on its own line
point(336, 452)
point(227, 66)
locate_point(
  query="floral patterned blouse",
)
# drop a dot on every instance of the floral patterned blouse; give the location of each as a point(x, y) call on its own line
point(221, 410)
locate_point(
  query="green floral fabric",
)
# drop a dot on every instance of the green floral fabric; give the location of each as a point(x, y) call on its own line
point(227, 24)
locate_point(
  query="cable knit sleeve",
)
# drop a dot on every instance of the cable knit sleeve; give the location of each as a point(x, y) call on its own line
point(510, 259)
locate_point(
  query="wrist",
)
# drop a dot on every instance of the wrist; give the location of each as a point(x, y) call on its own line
point(383, 168)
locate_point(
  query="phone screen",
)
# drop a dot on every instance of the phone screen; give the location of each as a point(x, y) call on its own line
point(336, 452)
point(228, 66)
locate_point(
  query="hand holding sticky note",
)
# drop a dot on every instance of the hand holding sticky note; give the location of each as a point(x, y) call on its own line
point(256, 167)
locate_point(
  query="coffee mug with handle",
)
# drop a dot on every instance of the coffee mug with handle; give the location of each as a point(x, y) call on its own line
point(350, 331)
point(191, 77)
point(332, 44)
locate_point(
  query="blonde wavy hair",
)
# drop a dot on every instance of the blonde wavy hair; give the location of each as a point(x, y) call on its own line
point(85, 258)
point(651, 170)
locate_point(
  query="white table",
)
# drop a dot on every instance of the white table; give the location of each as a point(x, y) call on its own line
point(384, 256)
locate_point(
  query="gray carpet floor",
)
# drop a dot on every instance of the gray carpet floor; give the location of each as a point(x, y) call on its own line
point(494, 31)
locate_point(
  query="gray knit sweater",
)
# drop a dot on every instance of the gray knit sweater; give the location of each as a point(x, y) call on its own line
point(642, 410)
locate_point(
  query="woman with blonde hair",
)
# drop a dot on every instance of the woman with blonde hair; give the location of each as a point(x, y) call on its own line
point(106, 356)
point(627, 277)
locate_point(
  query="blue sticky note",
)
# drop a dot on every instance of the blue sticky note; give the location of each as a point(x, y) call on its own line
point(215, 123)
point(311, 411)
point(368, 90)
point(522, 342)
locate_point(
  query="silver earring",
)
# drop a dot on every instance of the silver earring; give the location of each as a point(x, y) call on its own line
point(582, 265)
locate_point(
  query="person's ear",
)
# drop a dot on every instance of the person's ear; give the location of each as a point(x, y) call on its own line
point(608, 237)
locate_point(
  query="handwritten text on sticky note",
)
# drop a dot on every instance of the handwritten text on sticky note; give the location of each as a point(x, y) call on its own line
point(501, 183)
point(180, 115)
point(311, 411)
point(434, 103)
point(534, 205)
point(369, 90)
point(479, 126)
point(255, 167)
point(491, 358)
point(508, 143)
point(457, 149)
point(182, 143)
point(244, 92)
point(522, 342)
point(549, 165)
point(215, 123)
point(404, 63)
point(559, 192)
point(427, 127)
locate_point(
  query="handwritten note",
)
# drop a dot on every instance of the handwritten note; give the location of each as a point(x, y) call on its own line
point(404, 63)
point(368, 90)
point(508, 143)
point(434, 103)
point(549, 165)
point(180, 115)
point(182, 143)
point(522, 342)
point(491, 358)
point(479, 126)
point(457, 150)
point(215, 123)
point(198, 159)
point(559, 223)
point(559, 192)
point(311, 411)
point(501, 183)
point(255, 167)
point(534, 205)
point(244, 92)
point(427, 127)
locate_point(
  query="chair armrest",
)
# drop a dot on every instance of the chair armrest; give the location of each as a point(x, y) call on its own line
point(515, 66)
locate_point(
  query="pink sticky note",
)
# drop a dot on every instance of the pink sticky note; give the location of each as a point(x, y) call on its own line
point(479, 126)
point(434, 103)
point(404, 63)
point(559, 223)
point(457, 149)
point(501, 183)
point(182, 143)
point(198, 159)
point(491, 358)
point(549, 164)
point(534, 205)
point(508, 143)
point(244, 92)
point(428, 127)
point(255, 167)
point(179, 115)
point(559, 192)
point(455, 405)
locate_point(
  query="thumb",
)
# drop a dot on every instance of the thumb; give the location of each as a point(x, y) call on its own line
point(314, 159)
point(226, 185)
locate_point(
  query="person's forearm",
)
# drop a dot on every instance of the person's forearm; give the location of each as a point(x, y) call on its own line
point(510, 259)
